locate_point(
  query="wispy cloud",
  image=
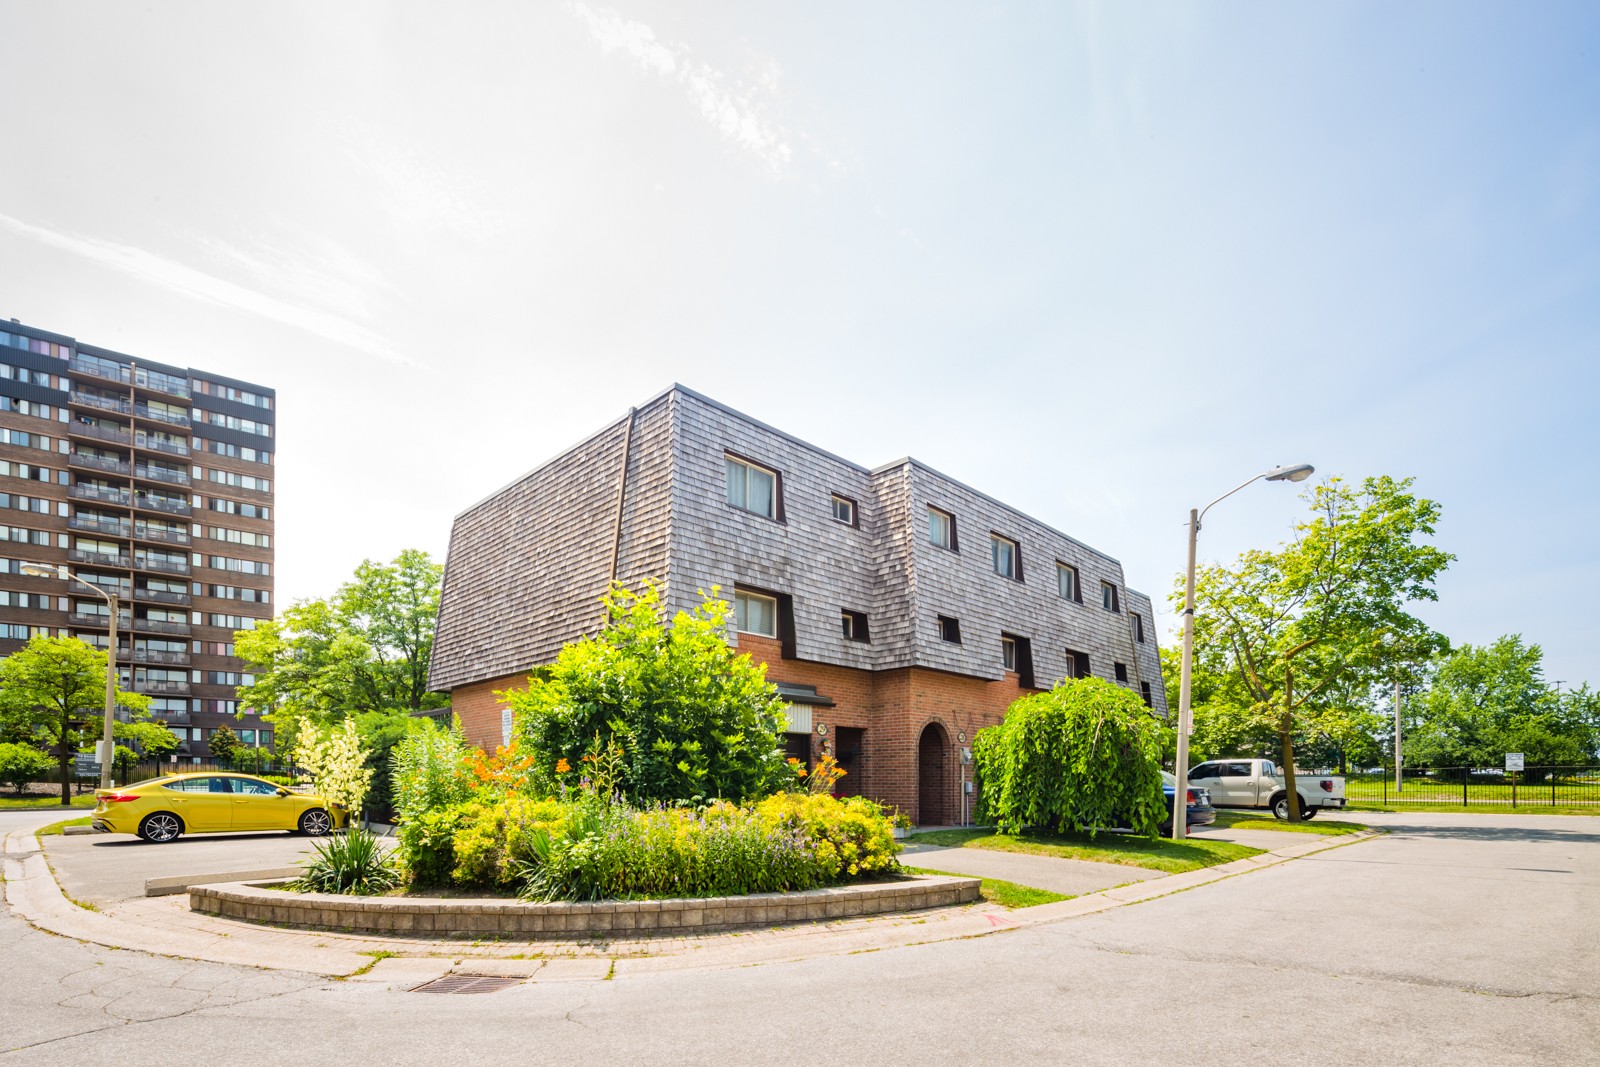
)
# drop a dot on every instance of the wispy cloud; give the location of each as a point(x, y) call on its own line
point(735, 115)
point(178, 278)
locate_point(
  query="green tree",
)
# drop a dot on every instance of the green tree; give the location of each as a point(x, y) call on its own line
point(140, 739)
point(694, 718)
point(22, 764)
point(1485, 701)
point(54, 689)
point(225, 744)
point(1084, 756)
point(366, 648)
point(1322, 617)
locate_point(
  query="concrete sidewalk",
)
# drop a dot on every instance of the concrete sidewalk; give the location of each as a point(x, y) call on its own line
point(165, 926)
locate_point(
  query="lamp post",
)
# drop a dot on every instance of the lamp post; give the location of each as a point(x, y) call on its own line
point(1299, 472)
point(107, 745)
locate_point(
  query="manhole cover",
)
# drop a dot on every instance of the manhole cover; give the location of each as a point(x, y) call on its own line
point(466, 983)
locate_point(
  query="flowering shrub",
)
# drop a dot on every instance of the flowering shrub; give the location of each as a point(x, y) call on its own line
point(431, 771)
point(494, 840)
point(337, 763)
point(851, 837)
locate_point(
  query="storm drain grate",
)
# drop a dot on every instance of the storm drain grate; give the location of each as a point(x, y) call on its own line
point(466, 983)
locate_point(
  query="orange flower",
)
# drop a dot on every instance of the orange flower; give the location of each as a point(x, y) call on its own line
point(562, 766)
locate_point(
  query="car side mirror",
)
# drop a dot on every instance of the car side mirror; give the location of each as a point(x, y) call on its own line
point(282, 792)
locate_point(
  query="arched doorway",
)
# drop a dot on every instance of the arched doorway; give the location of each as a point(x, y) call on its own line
point(933, 777)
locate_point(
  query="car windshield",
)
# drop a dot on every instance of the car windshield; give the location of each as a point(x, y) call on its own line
point(1167, 778)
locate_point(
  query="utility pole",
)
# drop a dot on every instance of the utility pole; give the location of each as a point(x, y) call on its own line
point(1398, 762)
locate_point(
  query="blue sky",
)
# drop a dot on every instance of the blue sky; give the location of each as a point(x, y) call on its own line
point(1101, 261)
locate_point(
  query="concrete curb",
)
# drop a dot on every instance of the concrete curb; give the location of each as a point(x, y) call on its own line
point(161, 887)
point(165, 926)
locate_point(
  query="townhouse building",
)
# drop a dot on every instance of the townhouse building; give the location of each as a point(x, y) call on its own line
point(153, 483)
point(897, 610)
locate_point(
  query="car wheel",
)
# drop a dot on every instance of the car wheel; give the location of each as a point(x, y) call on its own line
point(160, 828)
point(1280, 807)
point(1307, 812)
point(316, 823)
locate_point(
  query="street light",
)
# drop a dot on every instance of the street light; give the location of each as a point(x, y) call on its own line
point(107, 747)
point(1298, 472)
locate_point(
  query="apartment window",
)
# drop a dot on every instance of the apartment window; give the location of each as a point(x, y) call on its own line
point(844, 510)
point(854, 624)
point(1067, 583)
point(1108, 597)
point(755, 614)
point(1008, 653)
point(949, 629)
point(1077, 664)
point(1138, 627)
point(942, 528)
point(1144, 691)
point(1121, 672)
point(1007, 557)
point(752, 488)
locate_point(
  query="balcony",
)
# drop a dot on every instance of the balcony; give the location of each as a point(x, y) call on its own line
point(145, 411)
point(169, 566)
point(176, 718)
point(110, 527)
point(99, 370)
point(162, 383)
point(164, 689)
point(156, 444)
point(161, 474)
point(99, 433)
point(100, 403)
point(99, 622)
point(145, 532)
point(97, 559)
point(102, 494)
point(156, 627)
point(99, 463)
point(161, 596)
point(146, 502)
point(171, 659)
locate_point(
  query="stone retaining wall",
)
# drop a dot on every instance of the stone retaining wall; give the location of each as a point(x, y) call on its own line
point(450, 917)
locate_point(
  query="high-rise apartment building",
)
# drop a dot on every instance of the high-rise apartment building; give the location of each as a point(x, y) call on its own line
point(154, 483)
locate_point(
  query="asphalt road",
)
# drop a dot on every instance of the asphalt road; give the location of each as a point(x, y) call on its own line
point(1455, 940)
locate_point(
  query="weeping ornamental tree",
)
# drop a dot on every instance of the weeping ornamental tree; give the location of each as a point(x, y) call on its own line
point(1290, 634)
point(1084, 756)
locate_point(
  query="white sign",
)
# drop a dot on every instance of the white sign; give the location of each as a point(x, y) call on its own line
point(1513, 761)
point(505, 726)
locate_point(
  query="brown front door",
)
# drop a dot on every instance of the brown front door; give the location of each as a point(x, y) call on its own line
point(933, 781)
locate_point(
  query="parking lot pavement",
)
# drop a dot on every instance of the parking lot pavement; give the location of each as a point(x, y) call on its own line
point(109, 867)
point(1070, 877)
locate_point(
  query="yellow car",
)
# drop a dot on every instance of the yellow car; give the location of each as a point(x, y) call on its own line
point(162, 808)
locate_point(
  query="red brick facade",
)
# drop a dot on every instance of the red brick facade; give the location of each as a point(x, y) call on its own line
point(894, 708)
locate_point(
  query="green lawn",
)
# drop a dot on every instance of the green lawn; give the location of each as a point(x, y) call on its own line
point(1162, 854)
point(1249, 820)
point(56, 827)
point(998, 891)
point(30, 802)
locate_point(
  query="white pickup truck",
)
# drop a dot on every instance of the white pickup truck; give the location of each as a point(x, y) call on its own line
point(1256, 783)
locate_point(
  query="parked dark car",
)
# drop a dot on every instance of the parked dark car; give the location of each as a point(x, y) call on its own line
point(1201, 813)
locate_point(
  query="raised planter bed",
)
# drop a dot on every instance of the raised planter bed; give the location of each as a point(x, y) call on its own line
point(456, 917)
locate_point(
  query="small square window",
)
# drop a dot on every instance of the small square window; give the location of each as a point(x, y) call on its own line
point(755, 614)
point(1008, 653)
point(854, 624)
point(752, 488)
point(949, 629)
point(1067, 582)
point(844, 510)
point(1121, 671)
point(1006, 556)
point(942, 528)
point(1108, 597)
point(1077, 664)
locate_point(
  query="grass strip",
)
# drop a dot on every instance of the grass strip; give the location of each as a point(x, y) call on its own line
point(1235, 820)
point(86, 800)
point(998, 891)
point(1161, 854)
point(55, 828)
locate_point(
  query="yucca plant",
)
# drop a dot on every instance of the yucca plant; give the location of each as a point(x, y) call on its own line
point(352, 863)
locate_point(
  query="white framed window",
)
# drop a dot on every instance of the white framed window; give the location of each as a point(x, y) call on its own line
point(1007, 557)
point(1108, 597)
point(1008, 653)
point(854, 624)
point(1067, 582)
point(752, 488)
point(755, 614)
point(844, 510)
point(942, 528)
point(1138, 627)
